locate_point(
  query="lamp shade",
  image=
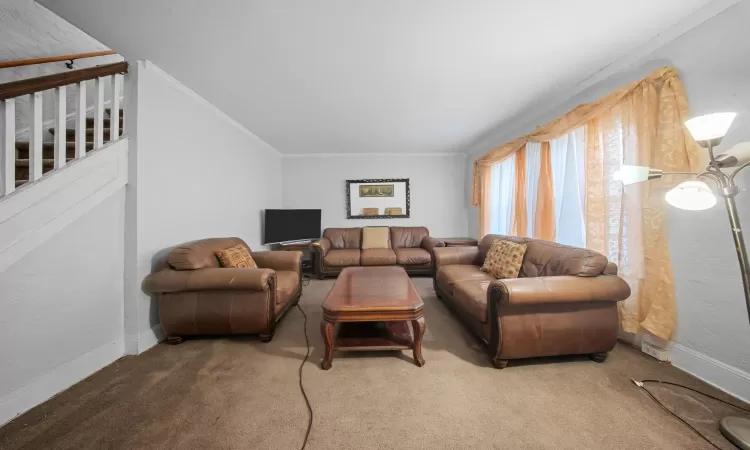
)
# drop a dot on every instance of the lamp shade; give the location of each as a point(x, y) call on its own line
point(692, 195)
point(636, 174)
point(631, 174)
point(710, 126)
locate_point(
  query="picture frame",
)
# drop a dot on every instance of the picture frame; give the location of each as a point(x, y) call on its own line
point(389, 196)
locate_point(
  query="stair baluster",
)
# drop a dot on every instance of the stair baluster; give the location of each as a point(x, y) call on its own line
point(7, 146)
point(60, 116)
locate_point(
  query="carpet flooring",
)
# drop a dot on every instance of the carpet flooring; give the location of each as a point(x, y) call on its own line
point(237, 393)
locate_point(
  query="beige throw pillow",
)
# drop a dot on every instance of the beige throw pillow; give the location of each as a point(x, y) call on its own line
point(375, 237)
point(504, 259)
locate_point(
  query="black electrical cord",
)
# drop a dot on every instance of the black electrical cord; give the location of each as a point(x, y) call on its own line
point(697, 392)
point(641, 385)
point(301, 387)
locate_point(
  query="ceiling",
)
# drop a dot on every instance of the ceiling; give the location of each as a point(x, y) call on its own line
point(393, 76)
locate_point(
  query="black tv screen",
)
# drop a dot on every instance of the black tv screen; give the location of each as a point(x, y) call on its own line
point(283, 225)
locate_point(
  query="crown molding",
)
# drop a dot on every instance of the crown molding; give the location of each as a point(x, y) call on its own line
point(370, 155)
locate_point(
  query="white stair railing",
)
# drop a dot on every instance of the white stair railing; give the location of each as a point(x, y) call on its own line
point(106, 78)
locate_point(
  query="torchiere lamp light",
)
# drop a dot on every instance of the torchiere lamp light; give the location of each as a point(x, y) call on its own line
point(696, 195)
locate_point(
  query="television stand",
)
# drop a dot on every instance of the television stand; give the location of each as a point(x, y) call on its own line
point(304, 247)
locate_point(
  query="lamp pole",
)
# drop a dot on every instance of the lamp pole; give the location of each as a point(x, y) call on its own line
point(736, 429)
point(729, 190)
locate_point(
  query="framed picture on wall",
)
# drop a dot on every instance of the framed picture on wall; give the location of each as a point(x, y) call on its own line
point(389, 196)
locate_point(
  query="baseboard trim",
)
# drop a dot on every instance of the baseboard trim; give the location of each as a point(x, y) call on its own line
point(722, 376)
point(149, 338)
point(44, 387)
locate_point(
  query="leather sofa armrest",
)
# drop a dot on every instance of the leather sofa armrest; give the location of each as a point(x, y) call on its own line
point(227, 279)
point(321, 246)
point(560, 289)
point(446, 256)
point(278, 260)
point(430, 243)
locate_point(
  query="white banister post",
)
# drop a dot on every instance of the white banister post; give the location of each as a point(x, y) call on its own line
point(98, 112)
point(35, 135)
point(61, 137)
point(114, 118)
point(81, 120)
point(7, 146)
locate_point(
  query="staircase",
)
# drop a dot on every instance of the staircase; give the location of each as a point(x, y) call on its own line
point(24, 162)
point(48, 148)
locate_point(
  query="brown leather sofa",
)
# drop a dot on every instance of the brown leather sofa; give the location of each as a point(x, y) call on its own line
point(564, 301)
point(409, 247)
point(198, 297)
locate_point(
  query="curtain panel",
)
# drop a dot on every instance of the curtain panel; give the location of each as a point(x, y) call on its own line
point(640, 123)
point(577, 117)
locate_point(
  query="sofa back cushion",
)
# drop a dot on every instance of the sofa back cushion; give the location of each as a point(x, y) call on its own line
point(200, 254)
point(375, 238)
point(545, 258)
point(408, 237)
point(344, 237)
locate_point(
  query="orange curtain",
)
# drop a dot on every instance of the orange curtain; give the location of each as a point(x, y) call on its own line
point(575, 118)
point(626, 223)
point(544, 216)
point(519, 225)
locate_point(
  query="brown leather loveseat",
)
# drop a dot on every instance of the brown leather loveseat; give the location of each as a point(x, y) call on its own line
point(198, 297)
point(564, 301)
point(409, 247)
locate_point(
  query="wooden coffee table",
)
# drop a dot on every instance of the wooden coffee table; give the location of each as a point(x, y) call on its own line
point(369, 308)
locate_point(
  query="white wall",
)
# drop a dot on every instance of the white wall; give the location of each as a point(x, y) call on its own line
point(199, 175)
point(436, 182)
point(61, 309)
point(713, 335)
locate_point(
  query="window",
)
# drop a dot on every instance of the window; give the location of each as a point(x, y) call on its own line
point(568, 164)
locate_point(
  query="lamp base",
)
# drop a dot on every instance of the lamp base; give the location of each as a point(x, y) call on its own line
point(737, 430)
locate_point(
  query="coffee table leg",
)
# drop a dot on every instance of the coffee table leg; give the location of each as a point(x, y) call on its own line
point(419, 326)
point(326, 329)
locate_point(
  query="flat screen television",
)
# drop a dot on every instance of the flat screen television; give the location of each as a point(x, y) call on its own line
point(285, 225)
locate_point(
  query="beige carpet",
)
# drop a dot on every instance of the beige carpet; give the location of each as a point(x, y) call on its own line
point(238, 393)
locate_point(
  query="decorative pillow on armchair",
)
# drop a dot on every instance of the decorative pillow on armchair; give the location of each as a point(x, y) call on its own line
point(236, 257)
point(504, 259)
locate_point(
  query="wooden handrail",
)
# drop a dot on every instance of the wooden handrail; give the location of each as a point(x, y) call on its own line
point(31, 85)
point(51, 59)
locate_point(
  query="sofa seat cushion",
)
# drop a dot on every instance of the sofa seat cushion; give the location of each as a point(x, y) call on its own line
point(470, 296)
point(407, 256)
point(287, 283)
point(448, 276)
point(378, 257)
point(342, 257)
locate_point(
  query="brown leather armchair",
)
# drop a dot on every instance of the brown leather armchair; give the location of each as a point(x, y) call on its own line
point(564, 301)
point(198, 297)
point(409, 247)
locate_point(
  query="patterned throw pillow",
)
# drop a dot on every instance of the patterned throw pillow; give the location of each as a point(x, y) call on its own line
point(504, 259)
point(236, 257)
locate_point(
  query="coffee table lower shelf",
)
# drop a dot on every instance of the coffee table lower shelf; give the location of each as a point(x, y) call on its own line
point(372, 336)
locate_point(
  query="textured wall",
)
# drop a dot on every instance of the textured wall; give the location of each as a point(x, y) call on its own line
point(28, 30)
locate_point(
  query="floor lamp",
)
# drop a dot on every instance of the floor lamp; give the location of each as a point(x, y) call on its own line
point(696, 195)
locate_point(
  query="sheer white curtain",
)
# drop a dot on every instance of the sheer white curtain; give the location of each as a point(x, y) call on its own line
point(568, 177)
point(568, 162)
point(502, 185)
